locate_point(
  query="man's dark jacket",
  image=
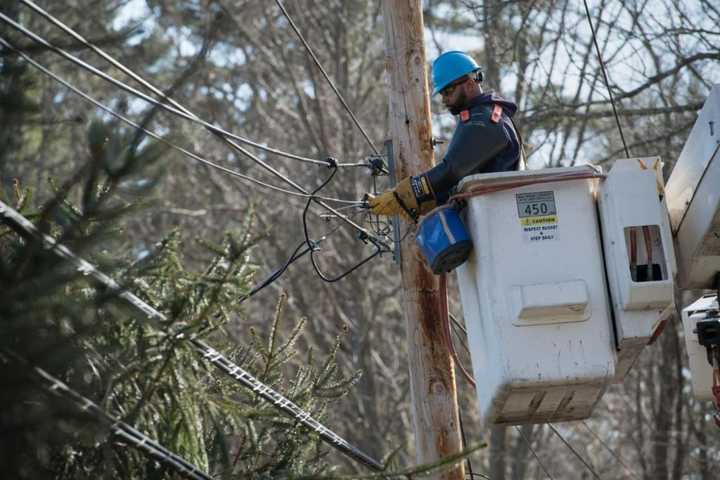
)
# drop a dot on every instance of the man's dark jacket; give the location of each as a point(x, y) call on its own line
point(484, 141)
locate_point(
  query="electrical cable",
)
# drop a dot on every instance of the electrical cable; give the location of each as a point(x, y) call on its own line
point(184, 114)
point(455, 329)
point(313, 246)
point(532, 450)
point(161, 139)
point(273, 277)
point(157, 319)
point(617, 456)
point(445, 322)
point(118, 428)
point(464, 445)
point(458, 324)
point(607, 81)
point(575, 452)
point(327, 77)
point(277, 273)
point(155, 90)
point(296, 255)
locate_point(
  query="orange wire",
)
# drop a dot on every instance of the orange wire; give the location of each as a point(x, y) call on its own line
point(648, 245)
point(447, 334)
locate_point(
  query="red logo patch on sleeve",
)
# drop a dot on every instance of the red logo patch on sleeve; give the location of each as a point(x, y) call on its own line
point(465, 115)
point(496, 114)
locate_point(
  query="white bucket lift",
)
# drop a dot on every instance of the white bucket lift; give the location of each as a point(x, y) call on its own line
point(703, 310)
point(534, 297)
point(693, 199)
point(570, 279)
point(545, 337)
point(639, 255)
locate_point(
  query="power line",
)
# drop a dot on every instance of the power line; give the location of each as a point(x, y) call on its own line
point(458, 326)
point(156, 318)
point(161, 139)
point(471, 474)
point(532, 450)
point(274, 276)
point(312, 245)
point(327, 77)
point(220, 133)
point(575, 452)
point(157, 91)
point(118, 428)
point(617, 456)
point(605, 77)
point(296, 255)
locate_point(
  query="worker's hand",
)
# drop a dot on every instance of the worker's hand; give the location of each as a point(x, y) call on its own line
point(401, 200)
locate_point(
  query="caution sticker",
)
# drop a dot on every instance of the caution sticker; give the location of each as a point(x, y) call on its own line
point(538, 216)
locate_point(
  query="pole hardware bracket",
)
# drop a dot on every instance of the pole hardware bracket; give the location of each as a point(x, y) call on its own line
point(377, 166)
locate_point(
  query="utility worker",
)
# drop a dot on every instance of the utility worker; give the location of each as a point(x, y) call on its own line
point(484, 141)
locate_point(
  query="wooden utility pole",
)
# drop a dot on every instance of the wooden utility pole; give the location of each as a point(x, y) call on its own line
point(432, 379)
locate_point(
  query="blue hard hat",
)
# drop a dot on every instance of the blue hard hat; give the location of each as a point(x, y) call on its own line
point(450, 66)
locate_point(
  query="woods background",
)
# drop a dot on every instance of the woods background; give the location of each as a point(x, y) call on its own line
point(238, 64)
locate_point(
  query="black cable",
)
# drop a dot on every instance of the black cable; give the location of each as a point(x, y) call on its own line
point(327, 77)
point(118, 428)
point(159, 138)
point(605, 77)
point(464, 442)
point(157, 91)
point(617, 456)
point(188, 153)
point(575, 452)
point(312, 245)
point(532, 450)
point(158, 320)
point(277, 273)
point(184, 113)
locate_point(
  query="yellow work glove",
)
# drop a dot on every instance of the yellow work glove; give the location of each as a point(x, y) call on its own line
point(403, 199)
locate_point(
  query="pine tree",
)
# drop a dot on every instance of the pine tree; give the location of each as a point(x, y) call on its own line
point(55, 317)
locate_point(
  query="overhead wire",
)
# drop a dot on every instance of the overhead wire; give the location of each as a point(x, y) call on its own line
point(326, 76)
point(575, 452)
point(313, 246)
point(142, 81)
point(156, 136)
point(605, 78)
point(117, 427)
point(296, 255)
point(627, 154)
point(471, 473)
point(157, 319)
point(534, 453)
point(184, 113)
point(446, 330)
point(155, 90)
point(617, 456)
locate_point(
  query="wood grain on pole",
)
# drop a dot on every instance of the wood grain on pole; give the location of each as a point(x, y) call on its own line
point(432, 379)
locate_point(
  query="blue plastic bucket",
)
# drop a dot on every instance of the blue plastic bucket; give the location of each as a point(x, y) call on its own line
point(443, 239)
